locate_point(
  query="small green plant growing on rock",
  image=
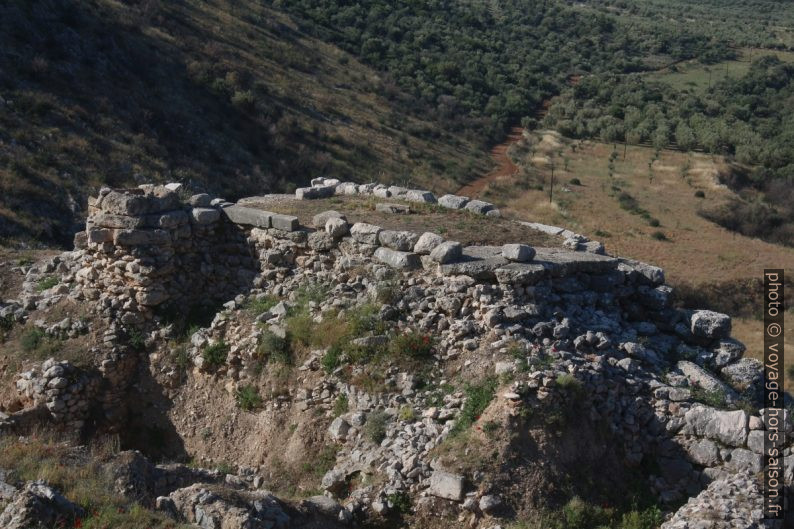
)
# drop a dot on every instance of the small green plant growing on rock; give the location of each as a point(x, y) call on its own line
point(406, 413)
point(478, 397)
point(412, 344)
point(341, 405)
point(715, 398)
point(375, 427)
point(331, 359)
point(274, 347)
point(215, 355)
point(568, 382)
point(248, 398)
point(400, 502)
point(31, 339)
point(260, 304)
point(46, 283)
point(136, 339)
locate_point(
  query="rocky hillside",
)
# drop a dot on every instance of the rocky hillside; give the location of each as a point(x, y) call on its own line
point(358, 355)
point(229, 96)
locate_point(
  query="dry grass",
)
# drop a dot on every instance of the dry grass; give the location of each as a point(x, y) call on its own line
point(697, 250)
point(751, 332)
point(81, 476)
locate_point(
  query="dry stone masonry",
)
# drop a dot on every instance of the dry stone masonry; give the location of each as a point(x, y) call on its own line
point(670, 385)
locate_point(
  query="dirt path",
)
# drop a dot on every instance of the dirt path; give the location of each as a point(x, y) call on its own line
point(504, 166)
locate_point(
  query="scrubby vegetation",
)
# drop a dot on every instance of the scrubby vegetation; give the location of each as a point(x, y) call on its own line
point(214, 355)
point(478, 397)
point(81, 478)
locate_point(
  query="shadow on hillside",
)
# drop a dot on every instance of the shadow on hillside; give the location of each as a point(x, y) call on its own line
point(148, 427)
point(132, 106)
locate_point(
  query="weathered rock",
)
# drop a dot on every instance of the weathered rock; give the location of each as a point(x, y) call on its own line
point(248, 216)
point(447, 252)
point(311, 193)
point(205, 215)
point(479, 206)
point(745, 460)
point(284, 222)
point(518, 252)
point(427, 242)
point(365, 233)
point(453, 201)
point(417, 195)
point(141, 238)
point(396, 209)
point(319, 220)
point(704, 452)
point(336, 227)
point(403, 241)
point(446, 485)
point(727, 427)
point(38, 506)
point(703, 379)
point(338, 429)
point(490, 504)
point(711, 325)
point(736, 500)
point(399, 260)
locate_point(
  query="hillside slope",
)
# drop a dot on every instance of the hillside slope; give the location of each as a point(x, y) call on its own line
point(227, 96)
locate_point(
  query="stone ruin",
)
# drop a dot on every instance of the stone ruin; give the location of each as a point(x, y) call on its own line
point(147, 249)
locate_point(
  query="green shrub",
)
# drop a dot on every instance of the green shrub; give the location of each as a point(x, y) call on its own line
point(215, 355)
point(260, 304)
point(364, 319)
point(575, 182)
point(341, 405)
point(400, 502)
point(659, 236)
point(569, 382)
point(412, 344)
point(375, 427)
point(715, 398)
point(31, 339)
point(406, 413)
point(654, 222)
point(180, 357)
point(331, 359)
point(300, 328)
point(315, 292)
point(248, 398)
point(322, 462)
point(478, 397)
point(136, 339)
point(700, 194)
point(273, 347)
point(578, 514)
point(46, 283)
point(650, 518)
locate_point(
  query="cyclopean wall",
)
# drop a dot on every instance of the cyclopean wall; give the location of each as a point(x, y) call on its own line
point(147, 249)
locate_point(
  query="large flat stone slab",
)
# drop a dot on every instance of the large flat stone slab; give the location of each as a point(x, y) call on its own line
point(560, 263)
point(248, 216)
point(545, 228)
point(478, 262)
point(520, 273)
